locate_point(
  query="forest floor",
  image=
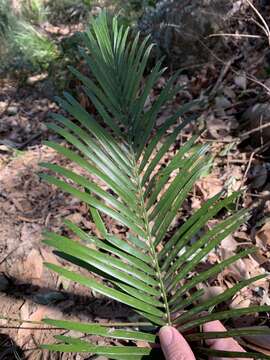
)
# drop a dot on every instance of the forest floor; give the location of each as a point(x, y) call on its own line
point(236, 119)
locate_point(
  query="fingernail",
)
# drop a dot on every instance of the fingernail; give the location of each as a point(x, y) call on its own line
point(166, 333)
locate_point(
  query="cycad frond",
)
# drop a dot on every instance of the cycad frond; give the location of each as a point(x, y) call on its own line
point(143, 271)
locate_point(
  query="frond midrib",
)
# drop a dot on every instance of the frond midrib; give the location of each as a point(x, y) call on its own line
point(149, 239)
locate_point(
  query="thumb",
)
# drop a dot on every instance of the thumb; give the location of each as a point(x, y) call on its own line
point(173, 345)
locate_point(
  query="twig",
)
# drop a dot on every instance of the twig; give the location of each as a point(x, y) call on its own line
point(21, 321)
point(258, 24)
point(29, 328)
point(265, 26)
point(249, 77)
point(116, 324)
point(248, 167)
point(244, 176)
point(256, 81)
point(266, 30)
point(235, 35)
point(259, 128)
point(221, 77)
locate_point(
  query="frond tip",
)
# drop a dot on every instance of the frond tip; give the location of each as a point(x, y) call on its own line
point(152, 269)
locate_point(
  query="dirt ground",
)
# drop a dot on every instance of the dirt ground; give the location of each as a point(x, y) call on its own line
point(236, 119)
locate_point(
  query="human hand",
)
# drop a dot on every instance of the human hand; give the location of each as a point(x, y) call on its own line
point(175, 347)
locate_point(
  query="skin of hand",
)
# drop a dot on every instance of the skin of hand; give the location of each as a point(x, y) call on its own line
point(175, 347)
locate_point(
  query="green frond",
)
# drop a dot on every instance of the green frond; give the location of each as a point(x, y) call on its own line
point(153, 268)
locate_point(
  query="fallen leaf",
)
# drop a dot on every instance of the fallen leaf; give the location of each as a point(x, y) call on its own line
point(238, 269)
point(209, 186)
point(239, 302)
point(210, 292)
point(241, 81)
point(259, 340)
point(265, 299)
point(24, 311)
point(263, 235)
point(141, 343)
point(222, 102)
point(33, 266)
point(218, 129)
point(24, 334)
point(229, 243)
point(49, 257)
point(76, 218)
point(27, 329)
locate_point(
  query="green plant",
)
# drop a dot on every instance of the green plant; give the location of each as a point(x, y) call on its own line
point(5, 21)
point(23, 46)
point(151, 270)
point(34, 47)
point(6, 18)
point(34, 11)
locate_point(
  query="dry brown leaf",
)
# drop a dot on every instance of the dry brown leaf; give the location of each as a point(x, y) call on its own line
point(49, 257)
point(24, 334)
point(210, 292)
point(259, 342)
point(33, 266)
point(26, 329)
point(218, 129)
point(260, 257)
point(254, 269)
point(241, 81)
point(76, 218)
point(238, 269)
point(266, 298)
point(229, 243)
point(141, 343)
point(196, 203)
point(212, 258)
point(240, 302)
point(25, 311)
point(209, 186)
point(263, 235)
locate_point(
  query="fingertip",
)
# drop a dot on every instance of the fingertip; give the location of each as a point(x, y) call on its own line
point(166, 334)
point(174, 345)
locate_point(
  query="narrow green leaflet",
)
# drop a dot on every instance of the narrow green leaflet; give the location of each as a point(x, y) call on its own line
point(214, 270)
point(75, 345)
point(101, 260)
point(227, 294)
point(105, 290)
point(110, 249)
point(96, 329)
point(182, 304)
point(90, 200)
point(222, 315)
point(253, 332)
